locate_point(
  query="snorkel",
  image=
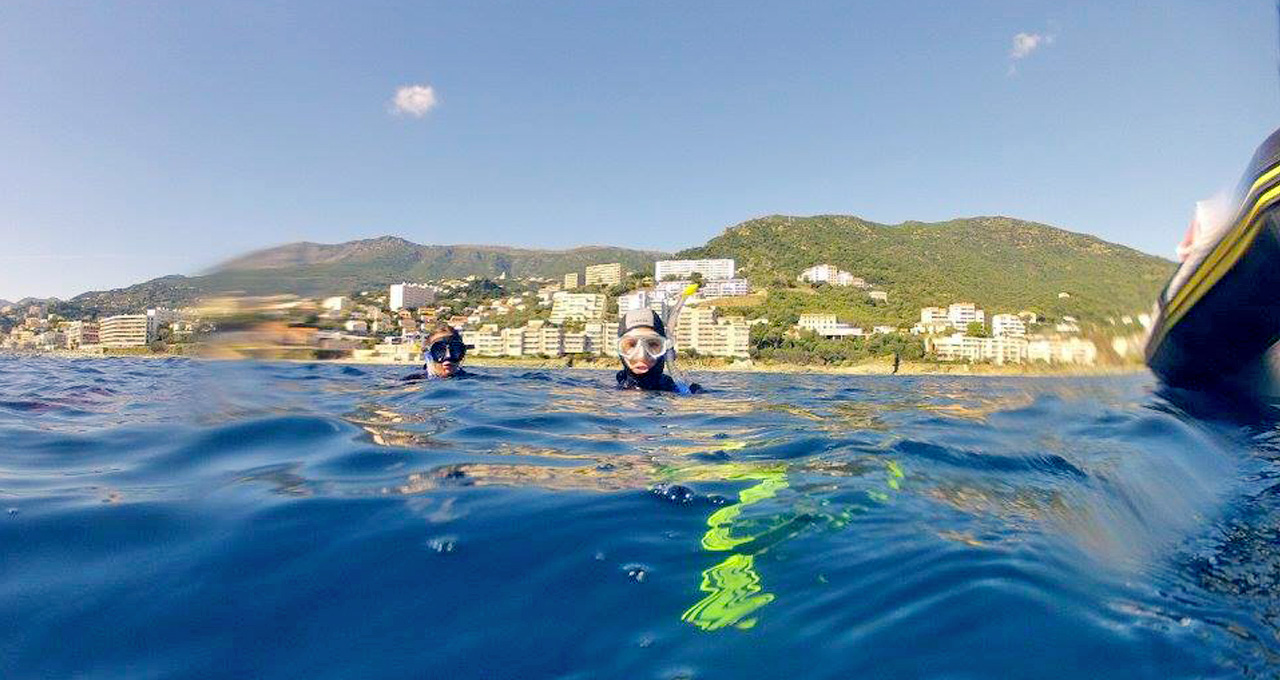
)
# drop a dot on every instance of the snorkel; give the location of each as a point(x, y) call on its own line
point(673, 315)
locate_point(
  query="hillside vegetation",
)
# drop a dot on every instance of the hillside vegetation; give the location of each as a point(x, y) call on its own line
point(1003, 264)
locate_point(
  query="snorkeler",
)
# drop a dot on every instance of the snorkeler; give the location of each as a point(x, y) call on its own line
point(643, 347)
point(444, 353)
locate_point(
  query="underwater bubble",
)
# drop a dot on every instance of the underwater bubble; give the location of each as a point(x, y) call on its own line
point(674, 493)
point(443, 544)
point(12, 511)
point(636, 572)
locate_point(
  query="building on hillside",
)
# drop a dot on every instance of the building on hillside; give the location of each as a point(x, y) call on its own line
point(604, 274)
point(828, 274)
point(827, 326)
point(883, 330)
point(702, 330)
point(357, 326)
point(961, 314)
point(684, 269)
point(81, 333)
point(960, 347)
point(932, 320)
point(1009, 325)
point(123, 330)
point(571, 280)
point(577, 307)
point(1072, 350)
point(645, 298)
point(878, 296)
point(410, 296)
point(712, 289)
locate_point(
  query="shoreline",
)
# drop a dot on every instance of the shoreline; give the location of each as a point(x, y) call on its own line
point(698, 365)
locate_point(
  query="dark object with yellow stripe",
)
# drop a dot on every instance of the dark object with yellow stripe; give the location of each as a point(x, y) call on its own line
point(1216, 327)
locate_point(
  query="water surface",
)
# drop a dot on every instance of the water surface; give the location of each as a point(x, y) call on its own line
point(171, 518)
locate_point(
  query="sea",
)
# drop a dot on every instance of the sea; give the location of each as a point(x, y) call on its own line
point(176, 518)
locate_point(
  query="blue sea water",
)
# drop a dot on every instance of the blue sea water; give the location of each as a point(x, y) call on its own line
point(175, 519)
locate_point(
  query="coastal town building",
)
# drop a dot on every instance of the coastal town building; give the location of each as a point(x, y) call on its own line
point(878, 296)
point(358, 326)
point(410, 296)
point(684, 269)
point(830, 275)
point(712, 289)
point(960, 347)
point(123, 330)
point(961, 314)
point(571, 280)
point(827, 326)
point(933, 320)
point(1012, 349)
point(78, 334)
point(1071, 350)
point(604, 274)
point(702, 330)
point(645, 298)
point(1009, 325)
point(577, 307)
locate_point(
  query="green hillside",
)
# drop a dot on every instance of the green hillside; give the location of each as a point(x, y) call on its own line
point(1000, 263)
point(313, 269)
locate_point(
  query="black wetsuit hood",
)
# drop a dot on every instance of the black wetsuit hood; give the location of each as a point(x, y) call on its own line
point(654, 379)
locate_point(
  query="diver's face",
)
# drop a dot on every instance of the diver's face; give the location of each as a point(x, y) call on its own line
point(447, 365)
point(638, 360)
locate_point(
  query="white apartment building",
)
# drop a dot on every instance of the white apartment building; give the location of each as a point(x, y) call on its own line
point(878, 296)
point(883, 330)
point(577, 307)
point(932, 320)
point(712, 289)
point(124, 330)
point(356, 326)
point(699, 329)
point(827, 326)
point(961, 314)
point(604, 274)
point(1008, 325)
point(1062, 351)
point(337, 303)
point(828, 274)
point(960, 347)
point(571, 280)
point(411, 296)
point(645, 298)
point(683, 269)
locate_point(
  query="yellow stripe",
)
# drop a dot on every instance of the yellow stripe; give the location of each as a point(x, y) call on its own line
point(1211, 261)
point(1219, 262)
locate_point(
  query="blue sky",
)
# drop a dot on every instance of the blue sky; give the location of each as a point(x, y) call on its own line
point(146, 138)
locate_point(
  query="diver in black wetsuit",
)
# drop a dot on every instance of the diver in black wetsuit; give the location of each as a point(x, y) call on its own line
point(444, 354)
point(642, 347)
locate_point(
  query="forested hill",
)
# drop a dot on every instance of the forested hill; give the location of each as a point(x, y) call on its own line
point(316, 269)
point(1001, 263)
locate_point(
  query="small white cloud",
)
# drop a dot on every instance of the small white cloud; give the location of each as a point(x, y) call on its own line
point(414, 100)
point(1023, 45)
